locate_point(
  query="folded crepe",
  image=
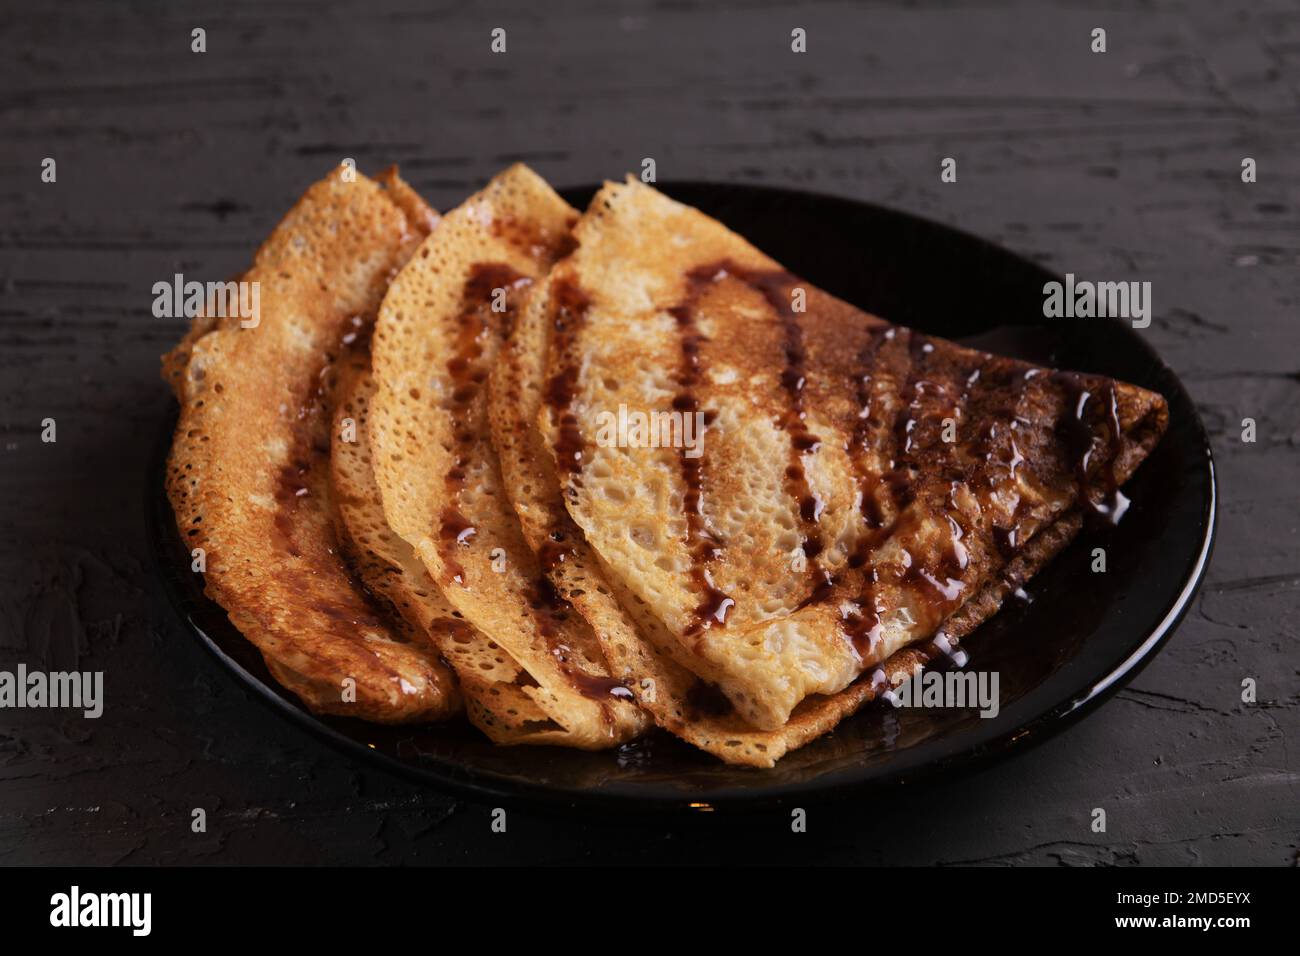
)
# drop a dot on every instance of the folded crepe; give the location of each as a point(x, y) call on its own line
point(860, 487)
point(493, 683)
point(812, 504)
point(248, 475)
point(438, 333)
point(637, 647)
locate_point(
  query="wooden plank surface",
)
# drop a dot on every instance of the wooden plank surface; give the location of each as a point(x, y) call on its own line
point(1124, 164)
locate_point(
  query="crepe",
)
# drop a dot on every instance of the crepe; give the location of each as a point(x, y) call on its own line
point(680, 700)
point(677, 698)
point(248, 475)
point(827, 523)
point(811, 504)
point(437, 335)
point(493, 683)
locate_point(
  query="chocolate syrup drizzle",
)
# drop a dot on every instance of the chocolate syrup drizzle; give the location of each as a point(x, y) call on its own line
point(868, 483)
point(776, 287)
point(311, 450)
point(568, 307)
point(555, 550)
point(568, 310)
point(291, 487)
point(997, 456)
point(702, 542)
point(912, 431)
point(550, 611)
point(1079, 436)
point(859, 620)
point(311, 443)
point(468, 373)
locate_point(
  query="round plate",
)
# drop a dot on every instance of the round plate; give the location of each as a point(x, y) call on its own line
point(1078, 640)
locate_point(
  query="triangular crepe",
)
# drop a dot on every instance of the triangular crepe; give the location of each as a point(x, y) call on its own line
point(816, 505)
point(677, 698)
point(827, 523)
point(437, 336)
point(494, 685)
point(248, 475)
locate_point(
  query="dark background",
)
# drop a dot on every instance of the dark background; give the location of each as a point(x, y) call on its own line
point(1124, 165)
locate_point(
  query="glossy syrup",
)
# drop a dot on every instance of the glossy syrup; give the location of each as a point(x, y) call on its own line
point(568, 307)
point(568, 312)
point(1079, 437)
point(702, 543)
point(311, 438)
point(467, 373)
point(938, 583)
point(859, 618)
point(358, 607)
point(776, 287)
point(550, 611)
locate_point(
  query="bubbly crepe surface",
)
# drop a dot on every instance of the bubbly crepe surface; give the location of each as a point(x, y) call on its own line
point(437, 338)
point(828, 521)
point(248, 476)
point(835, 501)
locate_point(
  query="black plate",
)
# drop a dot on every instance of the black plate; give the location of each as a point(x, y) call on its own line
point(1082, 636)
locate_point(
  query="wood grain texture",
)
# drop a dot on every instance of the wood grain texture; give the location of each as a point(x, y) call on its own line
point(1124, 165)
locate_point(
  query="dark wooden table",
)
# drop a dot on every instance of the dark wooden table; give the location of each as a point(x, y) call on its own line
point(1124, 165)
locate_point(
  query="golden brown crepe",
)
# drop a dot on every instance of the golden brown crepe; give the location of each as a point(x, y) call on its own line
point(817, 503)
point(248, 473)
point(677, 698)
point(437, 336)
point(494, 685)
point(827, 523)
